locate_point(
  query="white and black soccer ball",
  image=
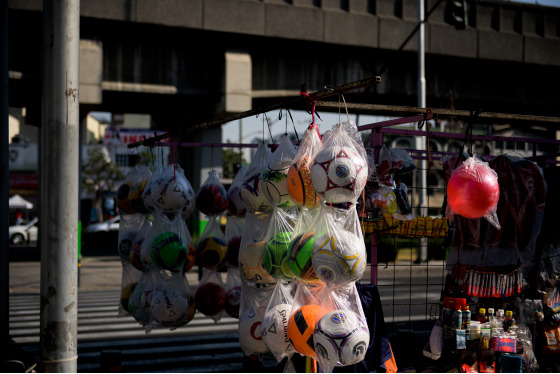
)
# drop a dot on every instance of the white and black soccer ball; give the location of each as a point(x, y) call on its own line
point(253, 195)
point(339, 174)
point(169, 195)
point(339, 257)
point(275, 330)
point(274, 181)
point(250, 338)
point(170, 307)
point(340, 338)
point(140, 302)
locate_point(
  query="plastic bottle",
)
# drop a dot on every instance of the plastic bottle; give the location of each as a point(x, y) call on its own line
point(509, 321)
point(466, 319)
point(457, 318)
point(491, 314)
point(482, 317)
point(499, 320)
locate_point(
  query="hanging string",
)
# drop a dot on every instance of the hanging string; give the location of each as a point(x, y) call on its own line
point(212, 158)
point(292, 119)
point(268, 125)
point(345, 107)
point(174, 162)
point(312, 105)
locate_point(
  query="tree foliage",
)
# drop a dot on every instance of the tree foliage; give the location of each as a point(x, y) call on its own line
point(232, 160)
point(99, 172)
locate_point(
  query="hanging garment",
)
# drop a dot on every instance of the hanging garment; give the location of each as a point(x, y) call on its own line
point(520, 212)
point(379, 356)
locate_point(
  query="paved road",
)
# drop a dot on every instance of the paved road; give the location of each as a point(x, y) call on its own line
point(407, 292)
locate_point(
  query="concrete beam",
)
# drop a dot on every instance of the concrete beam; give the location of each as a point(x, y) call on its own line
point(178, 13)
point(237, 96)
point(234, 16)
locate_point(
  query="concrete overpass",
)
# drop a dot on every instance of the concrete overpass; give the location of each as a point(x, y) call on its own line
point(187, 61)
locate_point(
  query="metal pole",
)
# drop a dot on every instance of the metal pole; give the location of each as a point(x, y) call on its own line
point(4, 178)
point(420, 141)
point(59, 186)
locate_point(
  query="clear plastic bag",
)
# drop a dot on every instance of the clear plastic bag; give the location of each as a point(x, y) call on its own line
point(275, 321)
point(234, 233)
point(385, 161)
point(211, 198)
point(473, 191)
point(168, 245)
point(140, 300)
point(303, 317)
point(251, 248)
point(123, 203)
point(137, 187)
point(274, 178)
point(136, 257)
point(210, 295)
point(341, 336)
point(252, 193)
point(236, 206)
point(168, 191)
point(300, 185)
point(277, 243)
point(212, 246)
point(233, 291)
point(401, 162)
point(254, 302)
point(172, 303)
point(339, 253)
point(129, 281)
point(301, 246)
point(340, 170)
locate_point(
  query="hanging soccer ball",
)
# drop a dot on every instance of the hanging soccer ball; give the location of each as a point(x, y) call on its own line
point(123, 203)
point(170, 308)
point(140, 302)
point(191, 257)
point(136, 258)
point(211, 199)
point(125, 295)
point(249, 330)
point(233, 250)
point(300, 256)
point(300, 185)
point(340, 338)
point(236, 206)
point(339, 174)
point(233, 302)
point(339, 257)
point(473, 190)
point(275, 183)
point(275, 329)
point(211, 252)
point(300, 329)
point(168, 251)
point(168, 195)
point(135, 196)
point(275, 257)
point(210, 298)
point(251, 263)
point(252, 194)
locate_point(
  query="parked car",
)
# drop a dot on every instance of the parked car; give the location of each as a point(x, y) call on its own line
point(24, 233)
point(107, 226)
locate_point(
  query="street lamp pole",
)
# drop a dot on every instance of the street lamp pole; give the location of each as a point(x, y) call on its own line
point(419, 140)
point(59, 186)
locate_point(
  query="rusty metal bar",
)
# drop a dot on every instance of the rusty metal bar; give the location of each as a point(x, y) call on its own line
point(288, 104)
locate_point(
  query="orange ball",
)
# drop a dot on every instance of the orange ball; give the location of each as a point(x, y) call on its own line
point(300, 187)
point(301, 327)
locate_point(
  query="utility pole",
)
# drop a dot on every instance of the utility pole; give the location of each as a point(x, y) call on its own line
point(419, 140)
point(60, 186)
